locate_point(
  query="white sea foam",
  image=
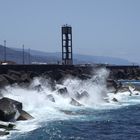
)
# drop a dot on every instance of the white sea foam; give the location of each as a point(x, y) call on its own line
point(37, 104)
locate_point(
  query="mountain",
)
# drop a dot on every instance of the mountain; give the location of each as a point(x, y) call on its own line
point(16, 55)
point(102, 60)
point(80, 59)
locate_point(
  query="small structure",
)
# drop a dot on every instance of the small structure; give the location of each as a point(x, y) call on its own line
point(7, 62)
point(67, 58)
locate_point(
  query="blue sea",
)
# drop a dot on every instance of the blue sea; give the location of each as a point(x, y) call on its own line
point(95, 120)
point(117, 124)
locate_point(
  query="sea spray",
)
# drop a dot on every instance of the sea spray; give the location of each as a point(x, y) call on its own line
point(95, 87)
point(43, 110)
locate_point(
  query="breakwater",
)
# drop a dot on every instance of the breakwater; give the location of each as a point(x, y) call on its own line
point(45, 68)
point(25, 73)
point(10, 74)
point(54, 85)
point(126, 72)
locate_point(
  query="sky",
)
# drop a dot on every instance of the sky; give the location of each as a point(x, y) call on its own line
point(100, 27)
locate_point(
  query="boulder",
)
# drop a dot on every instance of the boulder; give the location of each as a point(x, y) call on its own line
point(9, 108)
point(121, 74)
point(15, 77)
point(17, 73)
point(106, 100)
point(2, 133)
point(115, 100)
point(77, 95)
point(24, 116)
point(84, 76)
point(51, 98)
point(38, 88)
point(17, 105)
point(112, 85)
point(55, 74)
point(63, 91)
point(137, 87)
point(74, 102)
point(58, 74)
point(122, 89)
point(3, 81)
point(84, 94)
point(7, 112)
point(25, 78)
point(131, 93)
point(33, 74)
point(11, 79)
point(7, 125)
point(67, 112)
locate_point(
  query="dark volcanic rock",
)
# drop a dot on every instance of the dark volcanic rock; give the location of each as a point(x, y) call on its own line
point(24, 116)
point(9, 108)
point(12, 78)
point(10, 72)
point(38, 88)
point(67, 112)
point(115, 100)
point(50, 97)
point(7, 126)
point(112, 85)
point(17, 77)
point(74, 102)
point(25, 78)
point(32, 74)
point(55, 74)
point(84, 94)
point(137, 87)
point(63, 91)
point(3, 81)
point(2, 133)
point(84, 76)
point(7, 113)
point(17, 105)
point(58, 75)
point(14, 75)
point(77, 95)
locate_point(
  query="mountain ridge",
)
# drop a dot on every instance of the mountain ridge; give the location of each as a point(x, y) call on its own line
point(16, 55)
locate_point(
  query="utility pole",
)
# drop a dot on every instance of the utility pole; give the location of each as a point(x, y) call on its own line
point(29, 56)
point(4, 50)
point(23, 54)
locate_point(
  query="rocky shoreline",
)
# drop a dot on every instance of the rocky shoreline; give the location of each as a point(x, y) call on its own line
point(11, 110)
point(22, 76)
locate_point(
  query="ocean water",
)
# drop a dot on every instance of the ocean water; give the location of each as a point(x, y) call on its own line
point(95, 120)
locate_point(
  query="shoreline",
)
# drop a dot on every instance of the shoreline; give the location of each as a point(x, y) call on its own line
point(22, 75)
point(10, 74)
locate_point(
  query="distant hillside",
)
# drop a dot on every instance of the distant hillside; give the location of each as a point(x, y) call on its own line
point(11, 54)
point(101, 59)
point(15, 54)
point(80, 59)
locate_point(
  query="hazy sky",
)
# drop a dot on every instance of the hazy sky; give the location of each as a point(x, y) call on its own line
point(100, 27)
